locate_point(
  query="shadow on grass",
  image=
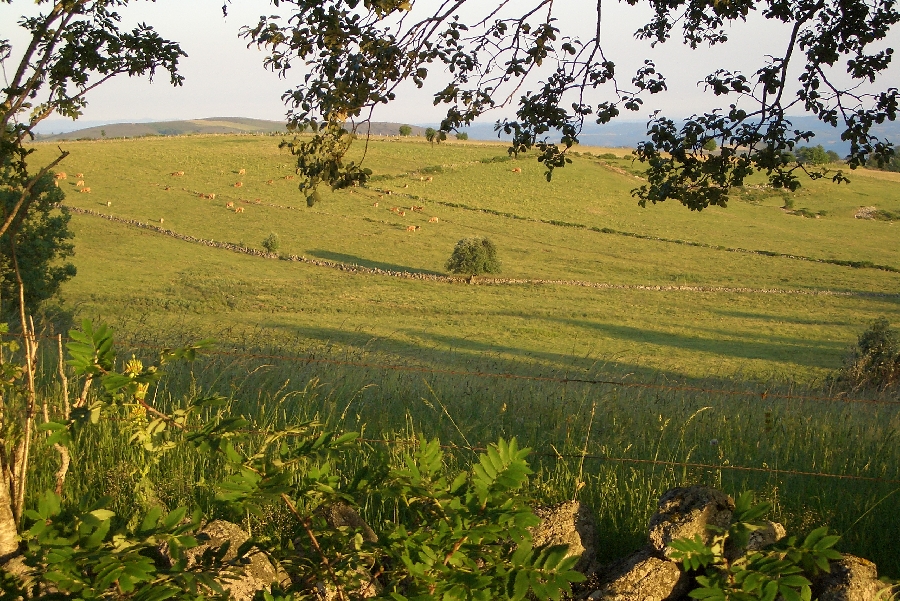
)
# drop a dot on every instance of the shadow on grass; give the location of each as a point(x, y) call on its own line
point(790, 350)
point(354, 260)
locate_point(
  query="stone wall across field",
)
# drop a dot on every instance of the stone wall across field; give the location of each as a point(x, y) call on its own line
point(480, 280)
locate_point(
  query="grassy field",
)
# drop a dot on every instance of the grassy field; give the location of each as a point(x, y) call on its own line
point(685, 333)
point(741, 322)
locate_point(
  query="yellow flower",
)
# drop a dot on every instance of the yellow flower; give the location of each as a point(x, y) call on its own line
point(133, 367)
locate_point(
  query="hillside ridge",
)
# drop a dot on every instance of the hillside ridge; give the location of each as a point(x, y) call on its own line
point(208, 125)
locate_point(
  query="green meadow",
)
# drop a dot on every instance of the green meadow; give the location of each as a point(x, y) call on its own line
point(692, 311)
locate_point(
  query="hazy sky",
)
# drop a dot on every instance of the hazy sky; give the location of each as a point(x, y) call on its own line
point(225, 78)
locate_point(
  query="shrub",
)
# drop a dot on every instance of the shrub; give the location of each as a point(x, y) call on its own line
point(474, 256)
point(462, 136)
point(271, 243)
point(405, 130)
point(480, 514)
point(875, 362)
point(816, 155)
point(607, 155)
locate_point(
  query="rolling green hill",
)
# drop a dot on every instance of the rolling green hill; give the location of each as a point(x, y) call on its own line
point(680, 292)
point(674, 347)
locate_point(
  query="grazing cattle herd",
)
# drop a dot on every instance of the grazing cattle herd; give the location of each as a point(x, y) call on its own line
point(230, 205)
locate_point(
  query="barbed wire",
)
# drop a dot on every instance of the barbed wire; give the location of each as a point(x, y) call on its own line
point(607, 458)
point(763, 396)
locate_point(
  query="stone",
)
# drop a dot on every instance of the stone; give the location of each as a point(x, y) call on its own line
point(759, 539)
point(851, 579)
point(642, 576)
point(685, 512)
point(569, 523)
point(341, 515)
point(258, 574)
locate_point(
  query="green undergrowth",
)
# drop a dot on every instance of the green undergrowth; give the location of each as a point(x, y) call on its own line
point(635, 438)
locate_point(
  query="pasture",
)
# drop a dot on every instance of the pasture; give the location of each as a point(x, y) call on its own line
point(691, 311)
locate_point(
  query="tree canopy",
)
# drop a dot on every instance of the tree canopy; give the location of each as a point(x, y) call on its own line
point(74, 46)
point(354, 55)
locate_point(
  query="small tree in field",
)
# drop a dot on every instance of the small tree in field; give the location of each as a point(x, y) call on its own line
point(271, 243)
point(474, 256)
point(462, 136)
point(433, 135)
point(405, 130)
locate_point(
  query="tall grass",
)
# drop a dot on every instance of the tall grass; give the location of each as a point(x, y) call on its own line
point(630, 429)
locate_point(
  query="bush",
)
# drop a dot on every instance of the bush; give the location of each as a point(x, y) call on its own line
point(462, 136)
point(474, 256)
point(816, 155)
point(607, 155)
point(405, 130)
point(875, 362)
point(271, 243)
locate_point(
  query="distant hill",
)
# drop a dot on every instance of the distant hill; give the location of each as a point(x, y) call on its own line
point(627, 134)
point(212, 125)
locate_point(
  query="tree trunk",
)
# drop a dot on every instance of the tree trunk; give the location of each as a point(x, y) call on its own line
point(9, 535)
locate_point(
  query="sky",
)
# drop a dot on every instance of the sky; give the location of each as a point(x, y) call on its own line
point(223, 78)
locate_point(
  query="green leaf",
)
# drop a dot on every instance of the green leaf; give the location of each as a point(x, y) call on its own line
point(102, 514)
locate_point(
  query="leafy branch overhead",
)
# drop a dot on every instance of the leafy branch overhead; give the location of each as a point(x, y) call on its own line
point(73, 47)
point(353, 56)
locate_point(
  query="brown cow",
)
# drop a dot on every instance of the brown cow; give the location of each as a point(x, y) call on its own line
point(211, 196)
point(79, 182)
point(401, 213)
point(288, 177)
point(79, 175)
point(433, 220)
point(517, 170)
point(270, 181)
point(229, 205)
point(375, 204)
point(61, 175)
point(417, 208)
point(177, 173)
point(242, 172)
point(161, 220)
point(239, 210)
point(238, 184)
point(109, 203)
point(411, 228)
point(86, 190)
